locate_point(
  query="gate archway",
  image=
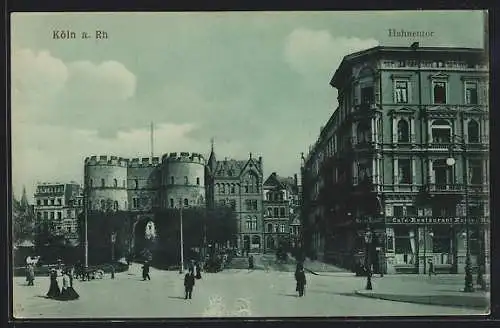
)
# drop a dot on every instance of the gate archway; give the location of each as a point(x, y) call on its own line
point(144, 237)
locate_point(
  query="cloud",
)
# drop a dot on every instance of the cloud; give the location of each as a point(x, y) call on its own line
point(47, 153)
point(87, 95)
point(316, 52)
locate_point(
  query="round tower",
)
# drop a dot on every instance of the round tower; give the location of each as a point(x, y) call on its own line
point(183, 180)
point(106, 182)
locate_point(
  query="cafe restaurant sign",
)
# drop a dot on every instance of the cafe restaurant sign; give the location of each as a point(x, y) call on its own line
point(434, 220)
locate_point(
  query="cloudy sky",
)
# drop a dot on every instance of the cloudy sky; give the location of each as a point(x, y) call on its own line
point(256, 82)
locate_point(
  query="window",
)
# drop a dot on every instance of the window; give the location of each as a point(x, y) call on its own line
point(248, 205)
point(404, 244)
point(442, 173)
point(403, 131)
point(471, 93)
point(46, 202)
point(186, 181)
point(124, 184)
point(439, 92)
point(222, 202)
point(276, 227)
point(135, 202)
point(411, 211)
point(270, 212)
point(233, 204)
point(282, 228)
point(51, 215)
point(103, 183)
point(91, 182)
point(38, 202)
point(254, 205)
point(269, 227)
point(475, 171)
point(222, 189)
point(186, 202)
point(103, 204)
point(51, 202)
point(401, 92)
point(404, 171)
point(115, 183)
point(172, 180)
point(115, 205)
point(39, 215)
point(276, 212)
point(367, 95)
point(198, 181)
point(171, 202)
point(59, 215)
point(441, 131)
point(233, 190)
point(473, 131)
point(363, 132)
point(59, 201)
point(398, 211)
point(45, 215)
point(441, 240)
point(69, 229)
point(254, 223)
point(246, 188)
point(268, 196)
point(282, 212)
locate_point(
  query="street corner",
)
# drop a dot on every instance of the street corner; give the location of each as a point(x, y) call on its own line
point(475, 301)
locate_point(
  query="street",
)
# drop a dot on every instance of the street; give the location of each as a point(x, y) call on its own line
point(238, 293)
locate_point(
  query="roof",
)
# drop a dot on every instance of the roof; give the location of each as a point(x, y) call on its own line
point(288, 183)
point(229, 167)
point(408, 50)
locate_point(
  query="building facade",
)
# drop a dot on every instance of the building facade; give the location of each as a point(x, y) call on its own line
point(142, 185)
point(281, 225)
point(57, 206)
point(238, 183)
point(405, 155)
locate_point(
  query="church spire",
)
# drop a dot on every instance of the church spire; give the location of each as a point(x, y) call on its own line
point(211, 159)
point(24, 200)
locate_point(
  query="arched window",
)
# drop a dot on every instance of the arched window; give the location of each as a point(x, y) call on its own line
point(103, 183)
point(172, 180)
point(198, 181)
point(172, 203)
point(256, 240)
point(233, 190)
point(186, 202)
point(222, 189)
point(403, 131)
point(269, 228)
point(473, 131)
point(441, 131)
point(116, 205)
point(115, 183)
point(136, 183)
point(362, 132)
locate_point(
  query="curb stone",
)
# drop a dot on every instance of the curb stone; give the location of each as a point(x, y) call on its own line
point(476, 301)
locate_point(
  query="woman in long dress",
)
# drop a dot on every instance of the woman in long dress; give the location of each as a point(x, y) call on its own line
point(68, 293)
point(54, 290)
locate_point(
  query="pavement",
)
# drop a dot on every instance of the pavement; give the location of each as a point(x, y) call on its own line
point(230, 293)
point(445, 290)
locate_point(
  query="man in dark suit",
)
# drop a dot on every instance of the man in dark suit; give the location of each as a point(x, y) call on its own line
point(189, 280)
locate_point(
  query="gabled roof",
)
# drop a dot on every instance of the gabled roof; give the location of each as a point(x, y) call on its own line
point(281, 183)
point(229, 168)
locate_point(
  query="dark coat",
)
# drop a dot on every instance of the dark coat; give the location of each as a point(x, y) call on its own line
point(189, 280)
point(300, 276)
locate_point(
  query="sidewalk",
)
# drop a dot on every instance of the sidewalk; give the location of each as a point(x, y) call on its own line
point(444, 290)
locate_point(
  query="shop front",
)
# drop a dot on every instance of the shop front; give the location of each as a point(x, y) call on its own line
point(414, 245)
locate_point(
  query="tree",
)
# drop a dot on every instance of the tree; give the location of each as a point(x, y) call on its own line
point(22, 220)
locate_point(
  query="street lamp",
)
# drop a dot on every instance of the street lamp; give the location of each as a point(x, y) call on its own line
point(113, 240)
point(450, 161)
point(181, 270)
point(368, 242)
point(86, 239)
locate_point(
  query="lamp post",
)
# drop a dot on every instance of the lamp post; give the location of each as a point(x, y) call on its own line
point(450, 161)
point(368, 242)
point(181, 270)
point(86, 238)
point(113, 240)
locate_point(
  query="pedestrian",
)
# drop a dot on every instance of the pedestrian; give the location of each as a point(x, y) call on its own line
point(300, 277)
point(250, 262)
point(54, 290)
point(145, 271)
point(432, 271)
point(67, 292)
point(198, 271)
point(31, 274)
point(189, 281)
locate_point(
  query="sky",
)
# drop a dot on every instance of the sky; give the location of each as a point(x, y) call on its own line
point(256, 82)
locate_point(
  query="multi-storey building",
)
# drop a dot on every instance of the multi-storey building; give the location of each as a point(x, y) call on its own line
point(57, 206)
point(281, 225)
point(405, 155)
point(238, 183)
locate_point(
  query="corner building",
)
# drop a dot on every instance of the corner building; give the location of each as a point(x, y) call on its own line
point(406, 155)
